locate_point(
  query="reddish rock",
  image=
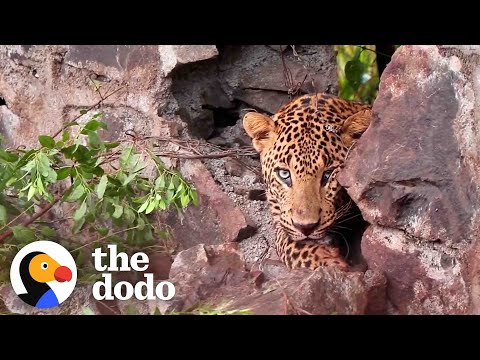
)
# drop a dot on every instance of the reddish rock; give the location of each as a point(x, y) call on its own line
point(160, 264)
point(421, 279)
point(416, 167)
point(414, 175)
point(215, 220)
point(216, 275)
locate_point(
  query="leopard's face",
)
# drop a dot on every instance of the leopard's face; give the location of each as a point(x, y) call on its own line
point(302, 148)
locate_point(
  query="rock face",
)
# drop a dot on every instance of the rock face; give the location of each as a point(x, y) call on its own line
point(216, 220)
point(216, 275)
point(414, 175)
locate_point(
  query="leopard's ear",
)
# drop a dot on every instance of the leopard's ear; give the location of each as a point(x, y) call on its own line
point(261, 129)
point(355, 126)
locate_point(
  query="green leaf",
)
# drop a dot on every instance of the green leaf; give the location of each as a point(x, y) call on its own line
point(80, 260)
point(83, 112)
point(169, 196)
point(46, 141)
point(26, 158)
point(118, 211)
point(77, 226)
point(94, 140)
point(111, 145)
point(162, 205)
point(8, 156)
point(184, 200)
point(31, 191)
point(125, 157)
point(63, 173)
point(40, 187)
point(23, 234)
point(114, 181)
point(129, 216)
point(354, 71)
point(77, 193)
point(150, 207)
point(194, 197)
point(80, 213)
point(129, 178)
point(3, 215)
point(103, 231)
point(92, 125)
point(160, 182)
point(144, 206)
point(65, 136)
point(140, 224)
point(47, 231)
point(102, 185)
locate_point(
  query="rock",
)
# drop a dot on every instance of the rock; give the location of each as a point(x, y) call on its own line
point(234, 168)
point(264, 100)
point(414, 175)
point(215, 220)
point(421, 279)
point(216, 275)
point(56, 82)
point(80, 299)
point(200, 123)
point(174, 56)
point(160, 264)
point(258, 75)
point(235, 135)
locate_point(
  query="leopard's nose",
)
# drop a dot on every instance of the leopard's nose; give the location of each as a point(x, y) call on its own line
point(306, 229)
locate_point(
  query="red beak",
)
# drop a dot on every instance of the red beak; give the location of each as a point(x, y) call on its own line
point(62, 274)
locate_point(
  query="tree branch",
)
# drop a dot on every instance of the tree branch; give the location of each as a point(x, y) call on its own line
point(34, 217)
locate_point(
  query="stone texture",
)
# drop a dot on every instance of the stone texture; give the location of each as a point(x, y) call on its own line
point(43, 86)
point(258, 76)
point(421, 278)
point(174, 56)
point(414, 175)
point(159, 265)
point(216, 275)
point(215, 220)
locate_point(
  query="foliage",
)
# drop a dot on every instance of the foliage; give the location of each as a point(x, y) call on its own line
point(357, 72)
point(108, 184)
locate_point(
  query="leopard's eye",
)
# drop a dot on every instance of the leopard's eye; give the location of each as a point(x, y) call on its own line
point(284, 175)
point(326, 176)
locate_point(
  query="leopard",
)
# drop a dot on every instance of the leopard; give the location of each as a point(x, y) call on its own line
point(302, 148)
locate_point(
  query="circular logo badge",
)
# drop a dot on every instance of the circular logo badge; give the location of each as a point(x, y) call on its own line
point(43, 274)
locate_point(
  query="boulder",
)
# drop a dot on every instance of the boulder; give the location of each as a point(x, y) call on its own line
point(414, 175)
point(215, 276)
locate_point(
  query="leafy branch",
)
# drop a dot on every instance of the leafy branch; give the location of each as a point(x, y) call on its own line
point(108, 184)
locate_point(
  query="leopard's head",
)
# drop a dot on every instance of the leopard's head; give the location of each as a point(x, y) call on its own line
point(302, 148)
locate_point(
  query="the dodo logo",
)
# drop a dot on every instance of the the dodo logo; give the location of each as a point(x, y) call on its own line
point(43, 274)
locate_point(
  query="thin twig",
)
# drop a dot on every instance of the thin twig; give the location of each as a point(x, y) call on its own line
point(90, 108)
point(34, 217)
point(106, 236)
point(16, 217)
